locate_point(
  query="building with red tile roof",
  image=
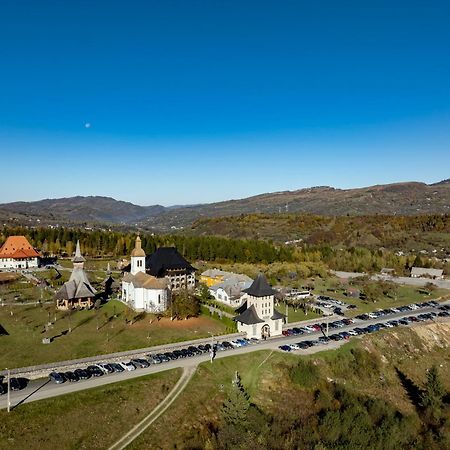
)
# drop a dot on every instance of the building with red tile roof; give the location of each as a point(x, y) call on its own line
point(18, 253)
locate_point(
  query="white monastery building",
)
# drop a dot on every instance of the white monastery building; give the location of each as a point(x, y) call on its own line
point(17, 253)
point(257, 316)
point(142, 291)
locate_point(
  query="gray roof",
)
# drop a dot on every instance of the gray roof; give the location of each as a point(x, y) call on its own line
point(78, 286)
point(249, 317)
point(260, 287)
point(277, 315)
point(78, 256)
point(226, 275)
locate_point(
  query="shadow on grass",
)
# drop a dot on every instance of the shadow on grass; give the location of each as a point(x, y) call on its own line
point(83, 322)
point(414, 392)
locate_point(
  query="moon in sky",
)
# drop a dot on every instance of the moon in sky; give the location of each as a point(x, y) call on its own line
point(87, 125)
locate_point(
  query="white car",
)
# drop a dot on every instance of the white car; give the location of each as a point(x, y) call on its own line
point(352, 332)
point(413, 306)
point(372, 315)
point(236, 344)
point(294, 346)
point(395, 310)
point(310, 328)
point(128, 366)
point(388, 325)
point(100, 366)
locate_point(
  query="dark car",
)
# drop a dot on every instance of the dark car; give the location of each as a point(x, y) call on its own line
point(285, 348)
point(71, 376)
point(15, 384)
point(227, 345)
point(179, 354)
point(336, 337)
point(444, 314)
point(81, 374)
point(142, 363)
point(303, 345)
point(57, 378)
point(117, 367)
point(94, 371)
point(3, 389)
point(163, 357)
point(194, 350)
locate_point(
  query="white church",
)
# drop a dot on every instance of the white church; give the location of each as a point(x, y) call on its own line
point(257, 316)
point(141, 291)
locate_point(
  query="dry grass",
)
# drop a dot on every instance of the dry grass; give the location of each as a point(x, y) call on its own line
point(91, 419)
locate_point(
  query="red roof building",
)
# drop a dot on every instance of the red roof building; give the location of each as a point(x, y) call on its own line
point(17, 253)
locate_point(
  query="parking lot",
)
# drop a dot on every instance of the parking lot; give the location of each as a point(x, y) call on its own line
point(307, 339)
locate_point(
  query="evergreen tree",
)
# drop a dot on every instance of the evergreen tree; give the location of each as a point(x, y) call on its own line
point(235, 408)
point(433, 394)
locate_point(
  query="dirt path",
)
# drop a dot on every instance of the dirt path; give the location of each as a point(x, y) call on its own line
point(129, 437)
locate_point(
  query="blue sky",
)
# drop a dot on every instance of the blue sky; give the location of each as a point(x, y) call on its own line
point(198, 101)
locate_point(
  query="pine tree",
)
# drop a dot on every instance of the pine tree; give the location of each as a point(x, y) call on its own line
point(234, 409)
point(432, 397)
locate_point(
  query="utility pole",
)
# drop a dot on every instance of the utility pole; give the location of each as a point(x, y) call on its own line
point(8, 400)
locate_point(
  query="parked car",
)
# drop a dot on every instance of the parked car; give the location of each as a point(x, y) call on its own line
point(128, 365)
point(154, 359)
point(285, 348)
point(57, 378)
point(94, 371)
point(117, 367)
point(15, 384)
point(141, 363)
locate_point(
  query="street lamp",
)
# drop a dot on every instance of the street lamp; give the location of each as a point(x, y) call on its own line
point(8, 387)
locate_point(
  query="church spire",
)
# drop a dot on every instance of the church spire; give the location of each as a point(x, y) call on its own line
point(138, 251)
point(78, 258)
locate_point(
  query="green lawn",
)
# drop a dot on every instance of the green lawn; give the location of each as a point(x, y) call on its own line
point(23, 346)
point(298, 315)
point(91, 419)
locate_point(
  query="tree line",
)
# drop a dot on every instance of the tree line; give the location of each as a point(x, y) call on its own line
point(114, 244)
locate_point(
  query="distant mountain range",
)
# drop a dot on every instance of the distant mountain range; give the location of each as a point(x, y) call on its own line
point(409, 198)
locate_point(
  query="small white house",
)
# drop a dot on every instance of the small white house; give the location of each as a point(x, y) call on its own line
point(257, 316)
point(141, 291)
point(230, 291)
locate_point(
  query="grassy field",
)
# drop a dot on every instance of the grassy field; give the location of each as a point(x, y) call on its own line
point(297, 315)
point(283, 385)
point(91, 419)
point(25, 326)
point(367, 367)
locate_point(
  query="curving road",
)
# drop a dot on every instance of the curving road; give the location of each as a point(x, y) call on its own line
point(42, 389)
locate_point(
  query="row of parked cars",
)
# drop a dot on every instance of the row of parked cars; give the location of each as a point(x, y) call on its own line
point(406, 308)
point(15, 384)
point(444, 311)
point(100, 369)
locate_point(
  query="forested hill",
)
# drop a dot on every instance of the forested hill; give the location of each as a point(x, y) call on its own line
point(410, 198)
point(407, 233)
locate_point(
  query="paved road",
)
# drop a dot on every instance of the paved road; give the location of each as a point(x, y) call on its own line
point(42, 389)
